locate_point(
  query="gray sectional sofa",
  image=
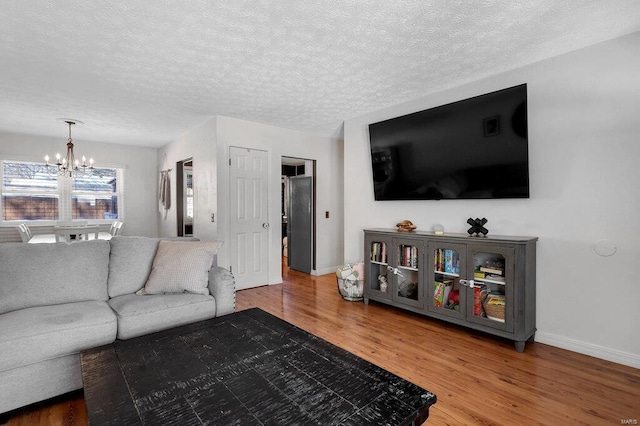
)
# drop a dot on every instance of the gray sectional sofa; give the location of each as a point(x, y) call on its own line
point(59, 299)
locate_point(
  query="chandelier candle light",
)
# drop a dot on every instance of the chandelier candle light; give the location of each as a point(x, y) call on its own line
point(68, 166)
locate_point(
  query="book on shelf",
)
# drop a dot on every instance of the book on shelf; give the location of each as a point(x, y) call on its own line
point(448, 260)
point(477, 301)
point(438, 294)
point(489, 270)
point(438, 260)
point(448, 286)
point(455, 262)
point(479, 275)
point(378, 252)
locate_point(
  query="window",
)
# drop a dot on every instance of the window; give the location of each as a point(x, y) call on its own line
point(30, 193)
point(95, 196)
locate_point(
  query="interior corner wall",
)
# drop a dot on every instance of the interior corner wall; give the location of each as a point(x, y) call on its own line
point(138, 163)
point(199, 144)
point(279, 142)
point(584, 155)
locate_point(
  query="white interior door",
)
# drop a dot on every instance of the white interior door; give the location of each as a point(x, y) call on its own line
point(249, 224)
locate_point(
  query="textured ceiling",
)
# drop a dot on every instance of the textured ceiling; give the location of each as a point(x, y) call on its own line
point(144, 73)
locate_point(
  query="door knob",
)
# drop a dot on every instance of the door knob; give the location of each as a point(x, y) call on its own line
point(265, 225)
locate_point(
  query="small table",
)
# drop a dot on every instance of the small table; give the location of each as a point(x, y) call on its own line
point(66, 231)
point(246, 368)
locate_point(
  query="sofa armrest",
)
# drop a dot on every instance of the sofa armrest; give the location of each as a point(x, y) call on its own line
point(222, 286)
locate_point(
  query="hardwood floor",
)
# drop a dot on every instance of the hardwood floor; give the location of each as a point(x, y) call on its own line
point(478, 379)
point(65, 410)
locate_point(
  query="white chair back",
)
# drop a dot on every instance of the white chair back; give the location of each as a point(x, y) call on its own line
point(115, 228)
point(25, 232)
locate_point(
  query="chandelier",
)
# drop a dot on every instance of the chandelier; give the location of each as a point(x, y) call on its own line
point(68, 165)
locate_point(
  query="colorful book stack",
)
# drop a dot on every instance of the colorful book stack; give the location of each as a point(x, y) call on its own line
point(408, 256)
point(447, 260)
point(491, 273)
point(379, 252)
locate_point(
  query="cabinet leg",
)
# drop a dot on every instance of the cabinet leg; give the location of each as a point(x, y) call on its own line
point(519, 346)
point(532, 338)
point(366, 300)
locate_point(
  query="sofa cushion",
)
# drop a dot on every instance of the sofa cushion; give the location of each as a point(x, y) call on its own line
point(41, 333)
point(130, 263)
point(139, 315)
point(181, 267)
point(52, 274)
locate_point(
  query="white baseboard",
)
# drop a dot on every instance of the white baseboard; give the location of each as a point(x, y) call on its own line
point(324, 271)
point(620, 357)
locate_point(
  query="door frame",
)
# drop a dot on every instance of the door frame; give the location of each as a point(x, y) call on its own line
point(180, 195)
point(310, 164)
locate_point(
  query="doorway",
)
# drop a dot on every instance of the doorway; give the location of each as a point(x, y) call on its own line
point(184, 197)
point(298, 214)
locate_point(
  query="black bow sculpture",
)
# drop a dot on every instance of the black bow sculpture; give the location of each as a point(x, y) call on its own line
point(477, 227)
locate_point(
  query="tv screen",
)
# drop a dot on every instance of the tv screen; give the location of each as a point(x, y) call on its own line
point(471, 149)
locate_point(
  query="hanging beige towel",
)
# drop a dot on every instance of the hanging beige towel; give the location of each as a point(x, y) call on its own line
point(164, 194)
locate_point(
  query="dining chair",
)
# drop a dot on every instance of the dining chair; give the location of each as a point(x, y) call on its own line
point(115, 228)
point(25, 232)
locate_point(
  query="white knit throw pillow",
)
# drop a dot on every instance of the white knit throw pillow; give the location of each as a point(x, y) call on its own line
point(181, 267)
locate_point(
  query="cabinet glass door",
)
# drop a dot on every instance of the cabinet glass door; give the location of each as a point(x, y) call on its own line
point(377, 276)
point(491, 292)
point(406, 274)
point(445, 294)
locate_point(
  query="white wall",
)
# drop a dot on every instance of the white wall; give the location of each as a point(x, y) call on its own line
point(279, 142)
point(199, 144)
point(139, 164)
point(209, 145)
point(584, 153)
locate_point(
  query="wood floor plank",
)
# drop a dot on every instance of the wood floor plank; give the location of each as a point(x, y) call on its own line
point(478, 379)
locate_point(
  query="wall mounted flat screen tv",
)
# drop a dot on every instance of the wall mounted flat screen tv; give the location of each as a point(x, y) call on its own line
point(476, 148)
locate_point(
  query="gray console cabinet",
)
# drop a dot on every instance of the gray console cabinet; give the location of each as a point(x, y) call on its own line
point(484, 283)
